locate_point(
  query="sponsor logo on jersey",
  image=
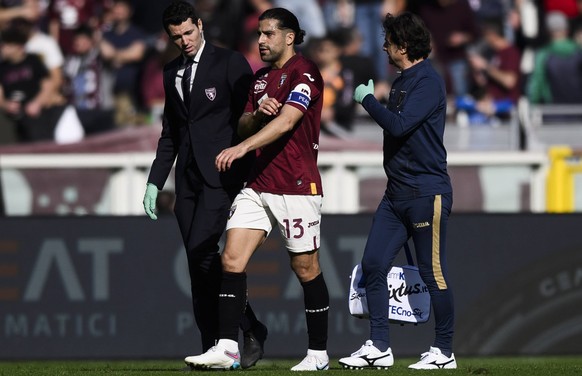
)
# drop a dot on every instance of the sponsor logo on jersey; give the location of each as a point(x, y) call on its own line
point(210, 93)
point(311, 79)
point(260, 85)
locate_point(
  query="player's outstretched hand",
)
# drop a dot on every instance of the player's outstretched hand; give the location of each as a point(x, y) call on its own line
point(149, 200)
point(225, 158)
point(363, 90)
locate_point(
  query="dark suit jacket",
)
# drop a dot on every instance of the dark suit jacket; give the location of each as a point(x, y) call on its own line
point(217, 100)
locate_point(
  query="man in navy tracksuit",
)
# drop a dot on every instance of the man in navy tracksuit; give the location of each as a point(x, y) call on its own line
point(418, 197)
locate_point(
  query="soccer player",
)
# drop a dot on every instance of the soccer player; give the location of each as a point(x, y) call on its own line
point(418, 196)
point(282, 123)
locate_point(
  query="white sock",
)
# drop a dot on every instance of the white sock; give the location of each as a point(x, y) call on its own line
point(228, 344)
point(320, 354)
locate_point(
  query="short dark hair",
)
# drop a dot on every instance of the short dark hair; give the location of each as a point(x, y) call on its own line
point(177, 13)
point(14, 35)
point(407, 30)
point(493, 24)
point(22, 24)
point(287, 20)
point(84, 30)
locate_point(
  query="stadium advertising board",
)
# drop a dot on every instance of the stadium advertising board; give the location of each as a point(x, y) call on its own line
point(118, 287)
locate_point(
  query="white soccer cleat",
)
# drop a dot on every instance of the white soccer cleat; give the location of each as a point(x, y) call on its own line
point(368, 356)
point(314, 361)
point(435, 359)
point(218, 357)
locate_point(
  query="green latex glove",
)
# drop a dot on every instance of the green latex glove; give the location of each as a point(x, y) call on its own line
point(363, 90)
point(149, 200)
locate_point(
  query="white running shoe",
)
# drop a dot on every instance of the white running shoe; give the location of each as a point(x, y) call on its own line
point(314, 361)
point(218, 357)
point(435, 359)
point(368, 356)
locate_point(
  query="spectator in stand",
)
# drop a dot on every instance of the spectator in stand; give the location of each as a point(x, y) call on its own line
point(325, 53)
point(368, 20)
point(576, 25)
point(223, 24)
point(557, 75)
point(25, 90)
point(152, 78)
point(453, 27)
point(47, 48)
point(147, 18)
point(123, 48)
point(65, 16)
point(568, 7)
point(11, 9)
point(355, 71)
point(496, 75)
point(338, 14)
point(88, 86)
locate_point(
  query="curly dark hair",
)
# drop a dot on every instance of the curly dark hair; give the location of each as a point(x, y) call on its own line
point(287, 20)
point(178, 12)
point(408, 31)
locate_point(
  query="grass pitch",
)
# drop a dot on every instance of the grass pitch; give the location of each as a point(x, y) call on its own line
point(507, 366)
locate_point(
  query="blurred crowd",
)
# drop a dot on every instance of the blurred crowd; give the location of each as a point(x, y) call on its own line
point(72, 68)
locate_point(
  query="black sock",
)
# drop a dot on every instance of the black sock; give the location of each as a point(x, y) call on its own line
point(316, 299)
point(231, 303)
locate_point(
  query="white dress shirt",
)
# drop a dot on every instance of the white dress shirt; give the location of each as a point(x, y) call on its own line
point(194, 66)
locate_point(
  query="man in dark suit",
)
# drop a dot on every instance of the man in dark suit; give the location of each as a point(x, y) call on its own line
point(206, 89)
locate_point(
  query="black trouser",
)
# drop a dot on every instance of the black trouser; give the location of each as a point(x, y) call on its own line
point(202, 212)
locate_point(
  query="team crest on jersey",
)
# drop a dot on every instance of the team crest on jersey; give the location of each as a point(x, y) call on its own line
point(282, 80)
point(210, 93)
point(260, 85)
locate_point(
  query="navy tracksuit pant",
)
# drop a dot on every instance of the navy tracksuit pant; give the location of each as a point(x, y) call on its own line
point(423, 219)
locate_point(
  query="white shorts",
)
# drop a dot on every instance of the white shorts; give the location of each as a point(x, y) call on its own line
point(298, 217)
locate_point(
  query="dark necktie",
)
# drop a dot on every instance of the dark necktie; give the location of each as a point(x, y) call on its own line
point(186, 81)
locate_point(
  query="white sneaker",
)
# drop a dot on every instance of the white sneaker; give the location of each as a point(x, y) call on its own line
point(435, 359)
point(368, 356)
point(314, 361)
point(218, 357)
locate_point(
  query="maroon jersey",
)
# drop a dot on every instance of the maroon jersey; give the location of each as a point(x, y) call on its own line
point(289, 165)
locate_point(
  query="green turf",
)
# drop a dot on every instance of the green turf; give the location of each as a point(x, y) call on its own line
point(530, 366)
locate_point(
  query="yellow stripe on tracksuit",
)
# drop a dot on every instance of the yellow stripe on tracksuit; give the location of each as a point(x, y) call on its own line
point(436, 244)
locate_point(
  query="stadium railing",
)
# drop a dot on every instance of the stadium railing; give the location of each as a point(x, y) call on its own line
point(500, 136)
point(547, 125)
point(341, 174)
